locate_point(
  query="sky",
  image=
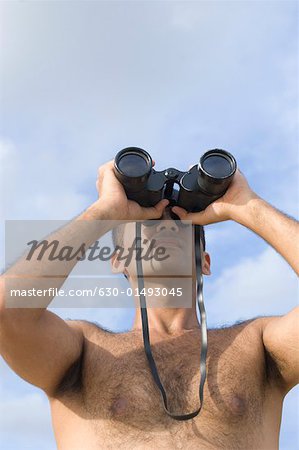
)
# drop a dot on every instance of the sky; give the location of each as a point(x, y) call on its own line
point(81, 80)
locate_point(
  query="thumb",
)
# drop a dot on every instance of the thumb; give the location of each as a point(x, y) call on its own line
point(198, 218)
point(155, 212)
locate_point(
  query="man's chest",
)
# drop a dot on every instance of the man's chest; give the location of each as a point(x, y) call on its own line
point(118, 387)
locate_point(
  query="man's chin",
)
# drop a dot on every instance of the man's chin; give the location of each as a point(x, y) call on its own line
point(164, 269)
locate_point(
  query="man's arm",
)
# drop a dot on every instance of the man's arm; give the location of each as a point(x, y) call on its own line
point(37, 344)
point(280, 334)
point(281, 340)
point(279, 230)
point(241, 204)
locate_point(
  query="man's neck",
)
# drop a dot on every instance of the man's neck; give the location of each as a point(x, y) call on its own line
point(170, 321)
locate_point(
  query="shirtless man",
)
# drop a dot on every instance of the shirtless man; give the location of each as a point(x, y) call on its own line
point(99, 385)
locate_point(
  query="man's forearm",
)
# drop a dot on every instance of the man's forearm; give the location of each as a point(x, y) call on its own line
point(279, 230)
point(48, 273)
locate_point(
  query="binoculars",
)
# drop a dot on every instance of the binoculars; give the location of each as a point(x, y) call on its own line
point(193, 190)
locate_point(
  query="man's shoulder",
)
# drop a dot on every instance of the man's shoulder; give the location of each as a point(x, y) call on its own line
point(95, 341)
point(92, 328)
point(255, 324)
point(248, 332)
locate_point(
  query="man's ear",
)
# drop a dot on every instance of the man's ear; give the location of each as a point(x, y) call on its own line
point(206, 264)
point(118, 266)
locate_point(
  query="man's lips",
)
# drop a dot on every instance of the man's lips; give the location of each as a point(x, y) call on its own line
point(166, 242)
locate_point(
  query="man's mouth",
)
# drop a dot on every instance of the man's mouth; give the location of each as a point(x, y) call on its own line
point(166, 242)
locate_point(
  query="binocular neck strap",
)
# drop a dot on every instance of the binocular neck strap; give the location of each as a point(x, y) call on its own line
point(145, 327)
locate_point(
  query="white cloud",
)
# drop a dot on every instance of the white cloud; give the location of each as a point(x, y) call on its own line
point(289, 438)
point(14, 415)
point(9, 167)
point(261, 285)
point(26, 419)
point(6, 153)
point(39, 189)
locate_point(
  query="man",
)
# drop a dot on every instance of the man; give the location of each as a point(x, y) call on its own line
point(100, 389)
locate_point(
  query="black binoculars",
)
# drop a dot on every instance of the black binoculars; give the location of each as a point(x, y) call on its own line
point(193, 190)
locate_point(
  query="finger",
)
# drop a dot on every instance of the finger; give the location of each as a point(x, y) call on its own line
point(161, 205)
point(181, 212)
point(186, 216)
point(106, 165)
point(109, 176)
point(154, 212)
point(198, 218)
point(182, 215)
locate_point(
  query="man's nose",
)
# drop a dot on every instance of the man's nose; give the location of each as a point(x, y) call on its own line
point(167, 224)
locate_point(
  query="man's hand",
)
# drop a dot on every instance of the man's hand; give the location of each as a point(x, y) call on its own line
point(114, 203)
point(242, 205)
point(238, 196)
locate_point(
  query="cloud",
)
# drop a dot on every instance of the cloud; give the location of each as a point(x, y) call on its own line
point(259, 285)
point(9, 166)
point(25, 421)
point(13, 412)
point(47, 184)
point(289, 437)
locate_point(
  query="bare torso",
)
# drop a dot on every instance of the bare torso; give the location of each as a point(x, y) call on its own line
point(110, 399)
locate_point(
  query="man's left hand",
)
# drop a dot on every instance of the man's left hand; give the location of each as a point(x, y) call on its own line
point(227, 207)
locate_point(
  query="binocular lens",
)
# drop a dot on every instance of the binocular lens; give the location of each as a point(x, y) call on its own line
point(217, 166)
point(133, 165)
point(215, 171)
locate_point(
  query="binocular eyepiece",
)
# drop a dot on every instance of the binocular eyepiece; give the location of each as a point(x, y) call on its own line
point(193, 190)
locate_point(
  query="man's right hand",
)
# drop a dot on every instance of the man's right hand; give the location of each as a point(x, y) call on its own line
point(113, 203)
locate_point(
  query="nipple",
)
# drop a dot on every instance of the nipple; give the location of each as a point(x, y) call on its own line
point(238, 405)
point(119, 406)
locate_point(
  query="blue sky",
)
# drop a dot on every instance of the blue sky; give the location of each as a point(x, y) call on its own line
point(81, 80)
